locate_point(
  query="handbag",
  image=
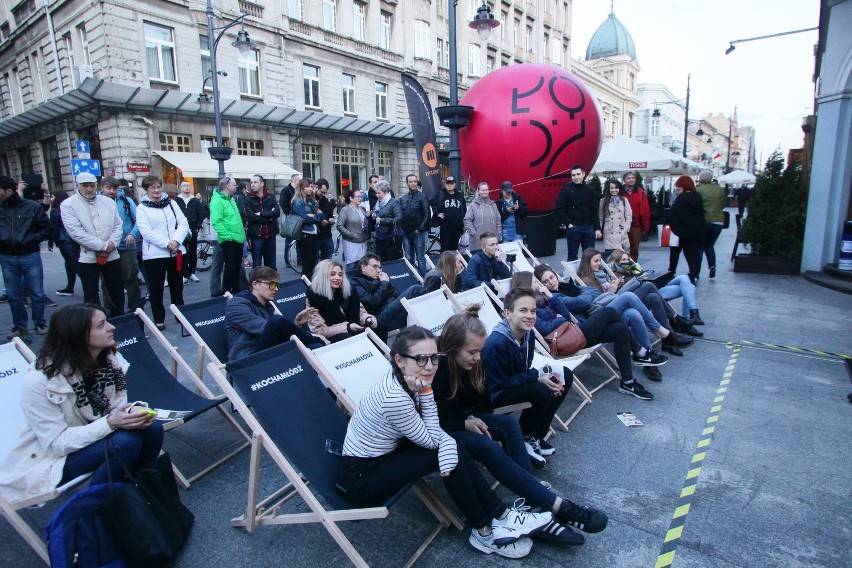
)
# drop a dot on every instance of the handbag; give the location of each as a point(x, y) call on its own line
point(566, 340)
point(291, 227)
point(145, 517)
point(667, 237)
point(393, 248)
point(727, 222)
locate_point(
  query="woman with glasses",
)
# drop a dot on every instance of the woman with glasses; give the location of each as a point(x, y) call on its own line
point(252, 324)
point(306, 206)
point(354, 229)
point(339, 313)
point(228, 223)
point(394, 438)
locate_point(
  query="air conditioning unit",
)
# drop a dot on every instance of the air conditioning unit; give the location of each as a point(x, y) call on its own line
point(81, 72)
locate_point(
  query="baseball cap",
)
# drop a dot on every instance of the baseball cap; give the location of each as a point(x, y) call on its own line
point(86, 177)
point(450, 179)
point(507, 186)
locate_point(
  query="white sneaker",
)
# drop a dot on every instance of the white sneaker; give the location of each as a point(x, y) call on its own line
point(486, 545)
point(536, 459)
point(185, 281)
point(194, 278)
point(518, 523)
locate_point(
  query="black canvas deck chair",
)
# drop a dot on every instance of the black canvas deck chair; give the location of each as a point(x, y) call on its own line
point(149, 380)
point(205, 322)
point(291, 297)
point(292, 416)
point(402, 275)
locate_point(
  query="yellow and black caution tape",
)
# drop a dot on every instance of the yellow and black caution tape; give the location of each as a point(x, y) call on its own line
point(748, 343)
point(687, 494)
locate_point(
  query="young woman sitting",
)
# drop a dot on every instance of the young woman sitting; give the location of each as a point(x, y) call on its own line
point(495, 440)
point(75, 403)
point(394, 438)
point(339, 313)
point(447, 271)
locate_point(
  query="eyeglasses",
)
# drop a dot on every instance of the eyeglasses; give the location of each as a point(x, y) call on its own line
point(421, 360)
point(376, 266)
point(273, 285)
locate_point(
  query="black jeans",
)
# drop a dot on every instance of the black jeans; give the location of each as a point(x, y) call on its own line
point(693, 250)
point(605, 326)
point(160, 269)
point(90, 273)
point(535, 421)
point(711, 233)
point(450, 237)
point(370, 481)
point(232, 254)
point(660, 309)
point(278, 330)
point(190, 259)
point(70, 254)
point(307, 246)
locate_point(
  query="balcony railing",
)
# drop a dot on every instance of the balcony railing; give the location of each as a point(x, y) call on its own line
point(251, 9)
point(344, 43)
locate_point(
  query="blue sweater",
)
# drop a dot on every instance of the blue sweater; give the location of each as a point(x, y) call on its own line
point(507, 361)
point(127, 214)
point(481, 269)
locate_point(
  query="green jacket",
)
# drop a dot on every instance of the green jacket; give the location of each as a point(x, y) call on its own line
point(714, 200)
point(225, 218)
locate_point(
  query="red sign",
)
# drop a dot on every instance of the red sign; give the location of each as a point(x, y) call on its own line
point(637, 165)
point(344, 182)
point(138, 167)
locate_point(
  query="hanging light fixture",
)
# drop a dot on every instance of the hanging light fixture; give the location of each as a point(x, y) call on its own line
point(484, 21)
point(204, 101)
point(243, 43)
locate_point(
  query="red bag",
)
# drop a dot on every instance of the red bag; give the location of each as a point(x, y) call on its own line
point(667, 238)
point(179, 260)
point(566, 340)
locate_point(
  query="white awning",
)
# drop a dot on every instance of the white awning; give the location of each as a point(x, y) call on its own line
point(201, 165)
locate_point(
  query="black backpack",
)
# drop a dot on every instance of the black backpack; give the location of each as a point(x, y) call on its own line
point(76, 536)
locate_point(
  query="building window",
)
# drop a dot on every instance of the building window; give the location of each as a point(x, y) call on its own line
point(53, 166)
point(655, 126)
point(381, 101)
point(385, 165)
point(170, 142)
point(528, 39)
point(350, 168)
point(440, 52)
point(249, 147)
point(84, 43)
point(515, 30)
point(312, 86)
point(206, 66)
point(359, 18)
point(69, 52)
point(295, 9)
point(421, 39)
point(472, 60)
point(557, 53)
point(210, 141)
point(348, 94)
point(249, 68)
point(489, 63)
point(160, 52)
point(329, 15)
point(311, 161)
point(36, 77)
point(385, 31)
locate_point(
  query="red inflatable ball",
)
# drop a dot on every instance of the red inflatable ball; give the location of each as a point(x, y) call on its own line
point(530, 124)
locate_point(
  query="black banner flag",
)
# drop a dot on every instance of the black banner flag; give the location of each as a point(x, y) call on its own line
point(423, 128)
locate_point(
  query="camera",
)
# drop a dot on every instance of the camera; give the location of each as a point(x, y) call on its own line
point(511, 257)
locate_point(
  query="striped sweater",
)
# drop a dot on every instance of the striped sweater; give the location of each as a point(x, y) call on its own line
point(386, 414)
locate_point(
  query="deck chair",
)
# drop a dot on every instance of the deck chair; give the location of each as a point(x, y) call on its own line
point(150, 381)
point(293, 418)
point(481, 295)
point(402, 275)
point(502, 286)
point(291, 297)
point(205, 322)
point(15, 359)
point(430, 310)
point(571, 267)
point(522, 263)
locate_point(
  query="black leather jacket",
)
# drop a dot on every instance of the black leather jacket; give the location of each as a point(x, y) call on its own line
point(23, 225)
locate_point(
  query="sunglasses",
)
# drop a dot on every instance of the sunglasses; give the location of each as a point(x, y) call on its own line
point(272, 284)
point(421, 360)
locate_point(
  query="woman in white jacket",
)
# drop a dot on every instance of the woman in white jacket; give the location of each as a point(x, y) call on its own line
point(75, 400)
point(164, 228)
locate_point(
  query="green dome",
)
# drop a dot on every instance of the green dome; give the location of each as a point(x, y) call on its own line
point(611, 38)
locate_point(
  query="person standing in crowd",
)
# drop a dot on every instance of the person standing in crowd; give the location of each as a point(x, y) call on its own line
point(616, 217)
point(450, 210)
point(686, 218)
point(513, 211)
point(743, 194)
point(386, 216)
point(325, 242)
point(23, 226)
point(227, 222)
point(482, 215)
point(641, 211)
point(194, 212)
point(125, 189)
point(164, 229)
point(577, 210)
point(306, 206)
point(92, 221)
point(415, 212)
point(126, 209)
point(713, 199)
point(286, 203)
point(352, 223)
point(262, 212)
point(67, 247)
point(371, 196)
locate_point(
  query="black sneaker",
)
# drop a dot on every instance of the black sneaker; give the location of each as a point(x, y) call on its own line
point(65, 292)
point(581, 517)
point(49, 302)
point(545, 448)
point(650, 359)
point(560, 534)
point(536, 459)
point(635, 389)
point(712, 272)
point(653, 373)
point(4, 297)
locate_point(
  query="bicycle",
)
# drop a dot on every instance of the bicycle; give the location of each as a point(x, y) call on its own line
point(204, 254)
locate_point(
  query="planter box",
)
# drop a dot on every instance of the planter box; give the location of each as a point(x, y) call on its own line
point(765, 265)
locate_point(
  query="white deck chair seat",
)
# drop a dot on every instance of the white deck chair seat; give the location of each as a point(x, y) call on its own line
point(521, 263)
point(430, 310)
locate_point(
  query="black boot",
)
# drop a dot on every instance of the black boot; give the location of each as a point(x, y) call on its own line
point(696, 319)
point(675, 339)
point(679, 320)
point(682, 325)
point(653, 373)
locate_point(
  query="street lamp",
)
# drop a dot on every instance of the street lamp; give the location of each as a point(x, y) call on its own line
point(455, 116)
point(244, 44)
point(686, 120)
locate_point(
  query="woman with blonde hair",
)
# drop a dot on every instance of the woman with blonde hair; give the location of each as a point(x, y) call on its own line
point(339, 311)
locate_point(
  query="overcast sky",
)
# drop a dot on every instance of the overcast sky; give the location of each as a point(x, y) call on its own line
point(768, 80)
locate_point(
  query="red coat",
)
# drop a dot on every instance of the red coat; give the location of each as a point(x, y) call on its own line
point(638, 200)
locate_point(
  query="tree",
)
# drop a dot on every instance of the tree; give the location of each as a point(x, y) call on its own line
point(775, 225)
point(595, 183)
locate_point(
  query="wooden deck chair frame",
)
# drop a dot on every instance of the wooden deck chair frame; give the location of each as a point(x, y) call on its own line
point(265, 511)
point(205, 354)
point(178, 362)
point(10, 509)
point(518, 248)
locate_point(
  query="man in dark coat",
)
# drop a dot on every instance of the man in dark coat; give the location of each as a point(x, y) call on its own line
point(577, 209)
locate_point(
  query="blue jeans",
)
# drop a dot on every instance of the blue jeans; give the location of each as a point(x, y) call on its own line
point(394, 315)
point(19, 272)
point(582, 236)
point(680, 286)
point(414, 244)
point(263, 252)
point(325, 246)
point(136, 448)
point(637, 317)
point(509, 464)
